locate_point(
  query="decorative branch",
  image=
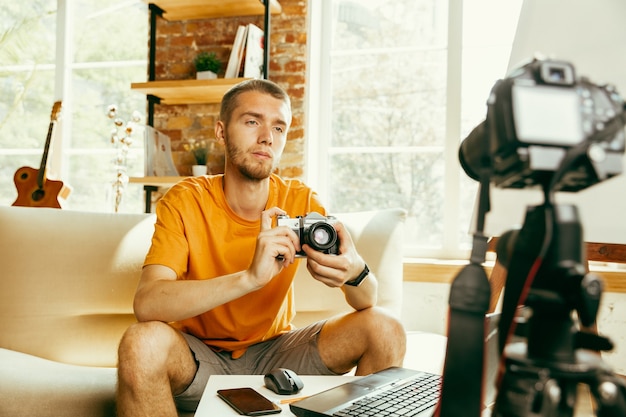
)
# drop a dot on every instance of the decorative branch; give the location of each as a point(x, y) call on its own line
point(122, 139)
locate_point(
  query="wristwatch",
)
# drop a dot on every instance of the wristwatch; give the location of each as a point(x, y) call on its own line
point(358, 280)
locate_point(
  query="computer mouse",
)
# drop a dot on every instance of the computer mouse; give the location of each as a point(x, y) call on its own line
point(283, 381)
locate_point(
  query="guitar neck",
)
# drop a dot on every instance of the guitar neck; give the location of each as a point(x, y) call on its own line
point(41, 177)
point(44, 159)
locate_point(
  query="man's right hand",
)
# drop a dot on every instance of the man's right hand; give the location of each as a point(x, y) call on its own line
point(160, 296)
point(276, 248)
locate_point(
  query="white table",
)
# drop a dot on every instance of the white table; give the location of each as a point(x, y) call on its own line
point(425, 351)
point(211, 405)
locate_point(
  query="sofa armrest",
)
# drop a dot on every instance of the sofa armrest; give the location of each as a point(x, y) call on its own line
point(379, 238)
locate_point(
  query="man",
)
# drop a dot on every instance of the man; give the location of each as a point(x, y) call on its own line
point(216, 295)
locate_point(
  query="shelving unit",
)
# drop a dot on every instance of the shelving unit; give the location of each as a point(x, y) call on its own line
point(172, 92)
point(151, 185)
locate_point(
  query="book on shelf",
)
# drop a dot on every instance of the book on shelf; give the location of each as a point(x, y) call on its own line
point(253, 63)
point(246, 57)
point(158, 154)
point(236, 54)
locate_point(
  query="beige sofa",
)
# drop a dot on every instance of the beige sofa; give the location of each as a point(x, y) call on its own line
point(66, 291)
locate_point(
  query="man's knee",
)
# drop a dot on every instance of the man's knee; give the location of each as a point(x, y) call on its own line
point(154, 351)
point(146, 342)
point(375, 328)
point(380, 322)
point(372, 339)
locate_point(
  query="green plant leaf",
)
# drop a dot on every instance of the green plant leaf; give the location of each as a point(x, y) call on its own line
point(207, 61)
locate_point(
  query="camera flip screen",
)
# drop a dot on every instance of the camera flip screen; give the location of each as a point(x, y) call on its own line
point(547, 115)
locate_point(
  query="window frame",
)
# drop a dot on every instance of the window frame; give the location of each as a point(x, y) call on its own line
point(319, 108)
point(459, 45)
point(63, 149)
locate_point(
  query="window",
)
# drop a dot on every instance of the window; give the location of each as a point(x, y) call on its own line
point(406, 81)
point(86, 53)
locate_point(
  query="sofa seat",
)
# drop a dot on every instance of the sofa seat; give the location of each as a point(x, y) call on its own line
point(53, 386)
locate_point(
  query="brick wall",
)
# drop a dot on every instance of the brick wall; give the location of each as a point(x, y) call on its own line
point(179, 42)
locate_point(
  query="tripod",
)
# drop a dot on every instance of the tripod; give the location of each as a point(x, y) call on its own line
point(542, 372)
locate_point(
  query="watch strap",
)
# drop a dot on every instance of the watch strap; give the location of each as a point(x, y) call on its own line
point(357, 281)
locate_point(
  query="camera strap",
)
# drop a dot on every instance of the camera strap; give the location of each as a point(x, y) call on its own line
point(463, 374)
point(462, 387)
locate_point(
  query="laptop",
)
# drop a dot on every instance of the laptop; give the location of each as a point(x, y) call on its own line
point(395, 392)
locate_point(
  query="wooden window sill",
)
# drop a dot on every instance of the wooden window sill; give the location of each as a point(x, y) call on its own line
point(443, 272)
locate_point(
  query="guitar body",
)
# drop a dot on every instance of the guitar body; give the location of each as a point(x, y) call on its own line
point(33, 188)
point(29, 194)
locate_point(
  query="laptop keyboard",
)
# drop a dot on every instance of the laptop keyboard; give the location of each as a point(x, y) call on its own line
point(404, 400)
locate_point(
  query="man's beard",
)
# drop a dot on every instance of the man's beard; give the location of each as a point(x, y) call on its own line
point(249, 168)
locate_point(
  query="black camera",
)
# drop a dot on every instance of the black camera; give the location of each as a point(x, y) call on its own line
point(544, 127)
point(314, 230)
point(534, 117)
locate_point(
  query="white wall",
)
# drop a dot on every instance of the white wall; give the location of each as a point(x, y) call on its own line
point(590, 35)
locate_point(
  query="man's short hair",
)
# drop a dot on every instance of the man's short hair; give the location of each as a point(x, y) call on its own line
point(229, 101)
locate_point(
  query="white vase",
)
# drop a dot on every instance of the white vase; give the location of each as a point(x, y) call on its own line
point(205, 75)
point(198, 170)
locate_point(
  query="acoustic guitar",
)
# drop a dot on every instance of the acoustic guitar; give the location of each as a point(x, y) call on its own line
point(33, 188)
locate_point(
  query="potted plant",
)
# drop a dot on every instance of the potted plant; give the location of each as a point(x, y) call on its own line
point(200, 153)
point(199, 149)
point(207, 65)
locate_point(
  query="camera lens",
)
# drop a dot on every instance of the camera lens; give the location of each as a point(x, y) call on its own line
point(321, 236)
point(473, 152)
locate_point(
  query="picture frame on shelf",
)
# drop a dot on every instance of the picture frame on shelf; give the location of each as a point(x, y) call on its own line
point(158, 154)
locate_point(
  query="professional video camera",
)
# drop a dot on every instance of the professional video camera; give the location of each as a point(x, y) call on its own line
point(534, 117)
point(544, 127)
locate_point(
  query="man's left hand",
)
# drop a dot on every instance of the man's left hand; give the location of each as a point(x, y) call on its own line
point(335, 270)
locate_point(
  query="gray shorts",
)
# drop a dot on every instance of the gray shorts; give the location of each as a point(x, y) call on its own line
point(296, 350)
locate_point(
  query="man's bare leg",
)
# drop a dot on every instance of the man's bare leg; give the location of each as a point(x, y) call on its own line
point(370, 339)
point(155, 363)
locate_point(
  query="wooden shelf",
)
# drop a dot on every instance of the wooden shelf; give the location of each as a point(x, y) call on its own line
point(203, 9)
point(172, 92)
point(156, 181)
point(187, 91)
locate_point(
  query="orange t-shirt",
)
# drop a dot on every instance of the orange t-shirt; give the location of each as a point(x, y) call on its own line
point(199, 236)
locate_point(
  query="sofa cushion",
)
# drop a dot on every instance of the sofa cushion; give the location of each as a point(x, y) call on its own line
point(379, 238)
point(68, 280)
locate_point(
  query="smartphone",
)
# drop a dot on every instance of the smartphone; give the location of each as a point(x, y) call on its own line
point(248, 402)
